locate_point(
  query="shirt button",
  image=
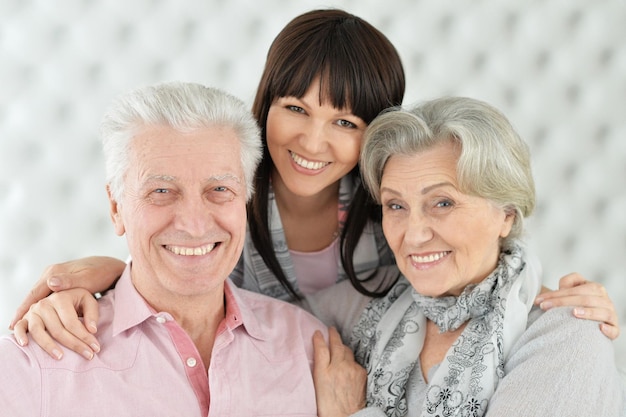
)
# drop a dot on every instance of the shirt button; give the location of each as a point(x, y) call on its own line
point(161, 319)
point(191, 362)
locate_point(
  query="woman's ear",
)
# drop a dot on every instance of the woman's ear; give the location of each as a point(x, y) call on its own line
point(509, 218)
point(116, 215)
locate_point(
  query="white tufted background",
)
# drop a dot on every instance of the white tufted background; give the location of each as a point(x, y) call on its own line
point(556, 68)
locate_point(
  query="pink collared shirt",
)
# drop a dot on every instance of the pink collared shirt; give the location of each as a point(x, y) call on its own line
point(260, 365)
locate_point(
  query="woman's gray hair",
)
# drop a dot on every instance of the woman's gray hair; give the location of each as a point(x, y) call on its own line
point(494, 162)
point(184, 107)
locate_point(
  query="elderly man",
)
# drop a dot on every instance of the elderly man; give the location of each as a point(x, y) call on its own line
point(177, 338)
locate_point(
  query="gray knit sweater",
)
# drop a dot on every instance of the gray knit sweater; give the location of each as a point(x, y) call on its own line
point(561, 366)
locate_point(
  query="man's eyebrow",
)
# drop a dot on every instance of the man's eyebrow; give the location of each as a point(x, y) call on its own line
point(167, 178)
point(212, 178)
point(224, 177)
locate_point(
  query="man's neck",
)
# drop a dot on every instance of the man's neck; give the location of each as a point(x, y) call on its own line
point(198, 315)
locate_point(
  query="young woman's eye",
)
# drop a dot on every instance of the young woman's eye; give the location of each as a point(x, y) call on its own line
point(296, 109)
point(346, 123)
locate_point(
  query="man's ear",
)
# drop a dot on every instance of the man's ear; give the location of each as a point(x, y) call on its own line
point(116, 215)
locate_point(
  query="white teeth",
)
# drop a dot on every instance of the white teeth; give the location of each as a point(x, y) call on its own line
point(430, 258)
point(178, 250)
point(307, 164)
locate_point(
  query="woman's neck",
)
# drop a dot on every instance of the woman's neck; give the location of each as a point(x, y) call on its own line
point(304, 206)
point(310, 223)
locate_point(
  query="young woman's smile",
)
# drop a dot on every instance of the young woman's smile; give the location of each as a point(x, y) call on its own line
point(312, 144)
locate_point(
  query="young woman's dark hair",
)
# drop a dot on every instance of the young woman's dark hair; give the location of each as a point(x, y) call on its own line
point(359, 69)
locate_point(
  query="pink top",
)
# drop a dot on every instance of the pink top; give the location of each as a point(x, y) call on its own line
point(260, 365)
point(316, 270)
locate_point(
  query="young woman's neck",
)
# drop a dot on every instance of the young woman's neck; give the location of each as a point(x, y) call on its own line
point(297, 205)
point(310, 223)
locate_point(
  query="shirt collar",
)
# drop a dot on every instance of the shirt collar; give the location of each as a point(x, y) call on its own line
point(131, 309)
point(129, 306)
point(239, 310)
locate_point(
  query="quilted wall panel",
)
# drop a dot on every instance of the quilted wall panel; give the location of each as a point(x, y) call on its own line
point(556, 68)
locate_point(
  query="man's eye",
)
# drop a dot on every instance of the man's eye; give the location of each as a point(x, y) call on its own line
point(221, 194)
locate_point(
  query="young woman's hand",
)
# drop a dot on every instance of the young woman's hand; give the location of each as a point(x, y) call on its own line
point(339, 380)
point(56, 319)
point(94, 273)
point(589, 299)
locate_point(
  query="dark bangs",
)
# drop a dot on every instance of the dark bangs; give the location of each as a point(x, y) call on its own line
point(358, 67)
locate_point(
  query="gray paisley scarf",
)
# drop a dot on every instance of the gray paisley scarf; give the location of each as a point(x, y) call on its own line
point(390, 334)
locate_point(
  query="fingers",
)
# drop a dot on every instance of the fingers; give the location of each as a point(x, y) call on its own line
point(69, 330)
point(54, 320)
point(601, 314)
point(574, 290)
point(590, 299)
point(91, 313)
point(335, 351)
point(612, 332)
point(339, 380)
point(571, 280)
point(35, 326)
point(94, 273)
point(19, 331)
point(338, 351)
point(321, 353)
point(53, 278)
point(39, 291)
point(609, 323)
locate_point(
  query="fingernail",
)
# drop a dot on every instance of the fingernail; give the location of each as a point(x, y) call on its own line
point(88, 354)
point(92, 326)
point(579, 311)
point(538, 300)
point(546, 305)
point(95, 347)
point(21, 341)
point(57, 353)
point(54, 282)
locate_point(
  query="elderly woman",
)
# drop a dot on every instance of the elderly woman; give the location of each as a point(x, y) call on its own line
point(457, 333)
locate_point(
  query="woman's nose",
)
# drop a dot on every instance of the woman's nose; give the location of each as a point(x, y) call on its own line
point(315, 139)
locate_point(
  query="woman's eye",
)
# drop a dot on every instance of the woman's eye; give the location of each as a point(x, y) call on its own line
point(161, 191)
point(443, 203)
point(346, 123)
point(296, 109)
point(394, 206)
